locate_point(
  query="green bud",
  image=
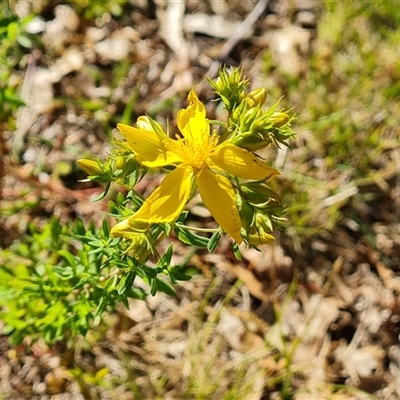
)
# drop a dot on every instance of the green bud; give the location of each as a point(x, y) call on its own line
point(251, 141)
point(247, 120)
point(263, 223)
point(257, 97)
point(238, 112)
point(140, 246)
point(120, 162)
point(259, 193)
point(230, 86)
point(246, 113)
point(137, 233)
point(126, 163)
point(91, 167)
point(241, 96)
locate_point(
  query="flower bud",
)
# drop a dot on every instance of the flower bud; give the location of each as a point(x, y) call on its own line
point(127, 163)
point(241, 96)
point(120, 162)
point(279, 119)
point(247, 120)
point(258, 193)
point(91, 167)
point(257, 239)
point(140, 246)
point(136, 232)
point(251, 141)
point(230, 86)
point(263, 223)
point(257, 97)
point(238, 112)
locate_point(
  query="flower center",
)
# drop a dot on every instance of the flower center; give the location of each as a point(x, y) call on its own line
point(193, 152)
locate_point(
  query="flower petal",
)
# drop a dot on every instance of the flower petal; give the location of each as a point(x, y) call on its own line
point(166, 203)
point(240, 162)
point(192, 121)
point(148, 146)
point(219, 197)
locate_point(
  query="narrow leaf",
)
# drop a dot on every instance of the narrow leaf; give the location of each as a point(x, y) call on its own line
point(213, 243)
point(165, 260)
point(136, 293)
point(103, 194)
point(150, 272)
point(236, 252)
point(106, 229)
point(188, 237)
point(68, 257)
point(165, 287)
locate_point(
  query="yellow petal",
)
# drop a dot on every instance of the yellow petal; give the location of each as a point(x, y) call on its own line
point(192, 121)
point(240, 162)
point(219, 197)
point(166, 203)
point(148, 146)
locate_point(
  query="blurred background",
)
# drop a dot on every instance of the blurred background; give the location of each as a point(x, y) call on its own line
point(314, 315)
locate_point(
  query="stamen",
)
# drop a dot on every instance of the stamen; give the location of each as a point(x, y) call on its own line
point(193, 152)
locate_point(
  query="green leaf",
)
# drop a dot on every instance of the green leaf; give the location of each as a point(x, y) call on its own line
point(183, 216)
point(236, 252)
point(165, 287)
point(106, 229)
point(55, 230)
point(150, 272)
point(188, 237)
point(167, 229)
point(126, 282)
point(213, 243)
point(101, 306)
point(79, 228)
point(64, 271)
point(12, 31)
point(125, 264)
point(68, 257)
point(175, 275)
point(136, 293)
point(120, 198)
point(113, 207)
point(165, 260)
point(153, 287)
point(103, 194)
point(24, 41)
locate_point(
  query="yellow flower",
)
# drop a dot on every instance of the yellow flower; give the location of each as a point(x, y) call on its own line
point(198, 158)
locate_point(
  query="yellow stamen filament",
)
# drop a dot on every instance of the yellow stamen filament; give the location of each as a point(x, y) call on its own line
point(193, 152)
